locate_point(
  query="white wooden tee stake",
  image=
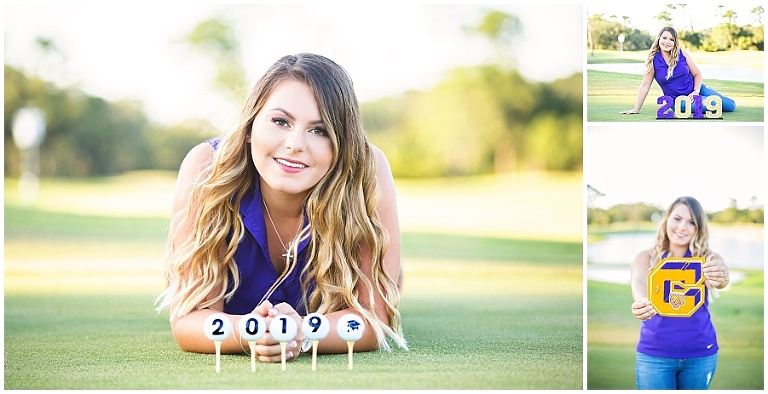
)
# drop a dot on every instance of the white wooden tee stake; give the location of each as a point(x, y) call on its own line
point(283, 328)
point(252, 328)
point(217, 328)
point(350, 328)
point(315, 327)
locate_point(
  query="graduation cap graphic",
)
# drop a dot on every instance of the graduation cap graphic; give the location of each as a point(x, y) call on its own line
point(353, 325)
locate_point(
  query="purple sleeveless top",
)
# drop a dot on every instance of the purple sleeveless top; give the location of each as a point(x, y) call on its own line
point(679, 337)
point(681, 82)
point(257, 273)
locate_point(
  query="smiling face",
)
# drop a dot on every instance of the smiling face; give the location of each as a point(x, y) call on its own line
point(290, 146)
point(681, 227)
point(667, 41)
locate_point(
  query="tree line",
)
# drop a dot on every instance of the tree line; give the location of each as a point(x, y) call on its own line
point(642, 212)
point(603, 31)
point(482, 119)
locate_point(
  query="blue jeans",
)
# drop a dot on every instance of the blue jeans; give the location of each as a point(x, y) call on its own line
point(728, 104)
point(661, 373)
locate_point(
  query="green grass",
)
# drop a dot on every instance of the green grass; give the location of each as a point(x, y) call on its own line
point(479, 312)
point(610, 93)
point(612, 334)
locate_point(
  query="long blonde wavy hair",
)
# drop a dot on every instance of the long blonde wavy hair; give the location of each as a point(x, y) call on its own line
point(675, 52)
point(341, 211)
point(699, 245)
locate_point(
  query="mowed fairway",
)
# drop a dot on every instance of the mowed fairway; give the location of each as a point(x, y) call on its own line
point(489, 302)
point(612, 335)
point(609, 93)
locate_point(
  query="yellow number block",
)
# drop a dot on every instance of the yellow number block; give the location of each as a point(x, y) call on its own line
point(676, 286)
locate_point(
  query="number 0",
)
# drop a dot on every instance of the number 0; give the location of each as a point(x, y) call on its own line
point(252, 329)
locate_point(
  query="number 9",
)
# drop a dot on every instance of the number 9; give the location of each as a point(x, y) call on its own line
point(315, 326)
point(714, 106)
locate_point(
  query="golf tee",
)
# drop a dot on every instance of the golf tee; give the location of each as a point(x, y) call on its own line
point(218, 355)
point(252, 345)
point(283, 345)
point(314, 355)
point(350, 345)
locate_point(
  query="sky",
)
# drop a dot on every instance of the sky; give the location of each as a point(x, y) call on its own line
point(642, 14)
point(133, 52)
point(713, 163)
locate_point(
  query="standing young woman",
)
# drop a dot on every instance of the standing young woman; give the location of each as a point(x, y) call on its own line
point(677, 352)
point(292, 212)
point(675, 72)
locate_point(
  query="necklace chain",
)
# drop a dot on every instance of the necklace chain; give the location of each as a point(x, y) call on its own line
point(287, 253)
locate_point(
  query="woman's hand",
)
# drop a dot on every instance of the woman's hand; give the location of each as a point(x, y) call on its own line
point(630, 112)
point(642, 309)
point(716, 272)
point(267, 348)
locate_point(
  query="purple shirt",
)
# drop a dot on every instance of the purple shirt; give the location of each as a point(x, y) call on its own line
point(679, 337)
point(681, 82)
point(257, 273)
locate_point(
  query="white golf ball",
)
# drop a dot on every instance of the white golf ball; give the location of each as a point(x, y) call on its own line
point(315, 326)
point(251, 327)
point(283, 328)
point(217, 327)
point(350, 327)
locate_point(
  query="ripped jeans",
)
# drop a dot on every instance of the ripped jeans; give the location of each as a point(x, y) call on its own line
point(661, 373)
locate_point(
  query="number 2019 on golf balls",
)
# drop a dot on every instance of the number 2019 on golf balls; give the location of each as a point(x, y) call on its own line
point(710, 107)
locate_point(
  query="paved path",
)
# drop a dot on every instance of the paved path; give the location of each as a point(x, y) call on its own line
point(710, 71)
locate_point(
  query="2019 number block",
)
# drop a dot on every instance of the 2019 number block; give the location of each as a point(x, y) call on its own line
point(710, 107)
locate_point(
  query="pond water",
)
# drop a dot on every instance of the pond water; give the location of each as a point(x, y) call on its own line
point(740, 248)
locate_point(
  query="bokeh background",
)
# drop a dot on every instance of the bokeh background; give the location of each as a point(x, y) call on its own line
point(478, 108)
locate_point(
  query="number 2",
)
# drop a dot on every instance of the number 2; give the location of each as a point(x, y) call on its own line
point(665, 111)
point(218, 331)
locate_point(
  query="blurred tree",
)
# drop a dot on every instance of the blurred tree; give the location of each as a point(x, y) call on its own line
point(605, 35)
point(477, 121)
point(664, 17)
point(757, 15)
point(84, 135)
point(643, 212)
point(170, 145)
point(215, 38)
point(728, 29)
point(501, 29)
point(602, 33)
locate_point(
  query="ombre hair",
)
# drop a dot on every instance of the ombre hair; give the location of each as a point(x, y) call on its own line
point(675, 52)
point(336, 241)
